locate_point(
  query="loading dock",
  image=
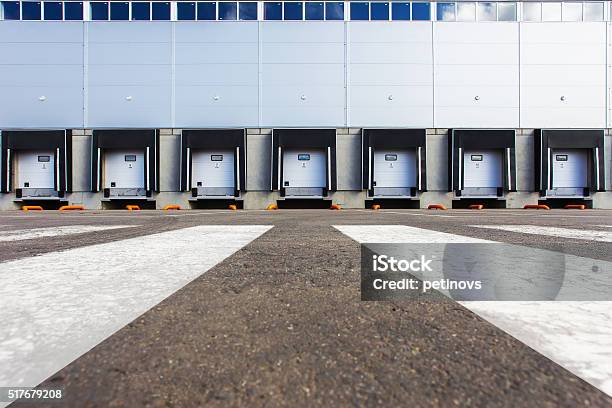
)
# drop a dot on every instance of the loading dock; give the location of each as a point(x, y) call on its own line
point(482, 163)
point(124, 172)
point(394, 163)
point(569, 163)
point(304, 163)
point(36, 164)
point(213, 163)
point(125, 163)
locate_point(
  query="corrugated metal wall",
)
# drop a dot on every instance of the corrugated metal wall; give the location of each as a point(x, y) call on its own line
point(303, 74)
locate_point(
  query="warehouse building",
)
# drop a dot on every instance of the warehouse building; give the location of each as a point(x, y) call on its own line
point(305, 103)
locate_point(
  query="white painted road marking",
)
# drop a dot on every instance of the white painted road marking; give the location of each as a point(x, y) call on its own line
point(576, 335)
point(592, 235)
point(390, 234)
point(59, 305)
point(22, 234)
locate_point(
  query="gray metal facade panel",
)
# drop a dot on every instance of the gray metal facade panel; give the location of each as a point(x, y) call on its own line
point(129, 53)
point(304, 73)
point(302, 32)
point(129, 78)
point(38, 53)
point(22, 107)
point(132, 32)
point(130, 75)
point(109, 106)
point(41, 75)
point(216, 106)
point(216, 74)
point(37, 32)
point(221, 32)
point(215, 52)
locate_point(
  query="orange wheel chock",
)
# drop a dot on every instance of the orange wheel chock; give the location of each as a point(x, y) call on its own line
point(376, 207)
point(31, 208)
point(132, 208)
point(536, 207)
point(172, 207)
point(232, 207)
point(335, 207)
point(71, 208)
point(476, 207)
point(272, 207)
point(436, 207)
point(575, 207)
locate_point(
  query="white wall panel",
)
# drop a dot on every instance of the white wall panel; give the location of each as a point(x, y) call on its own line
point(608, 74)
point(219, 32)
point(302, 32)
point(302, 74)
point(216, 106)
point(129, 74)
point(41, 75)
point(215, 52)
point(283, 106)
point(389, 53)
point(476, 75)
point(149, 106)
point(563, 77)
point(390, 74)
point(216, 74)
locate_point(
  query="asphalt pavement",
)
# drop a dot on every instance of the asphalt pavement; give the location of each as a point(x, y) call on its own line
point(280, 322)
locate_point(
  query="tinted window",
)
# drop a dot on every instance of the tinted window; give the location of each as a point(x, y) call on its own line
point(314, 11)
point(207, 11)
point(551, 11)
point(248, 11)
point(53, 10)
point(572, 11)
point(593, 11)
point(506, 11)
point(360, 11)
point(446, 12)
point(466, 12)
point(334, 11)
point(476, 157)
point(273, 11)
point(185, 11)
point(303, 157)
point(160, 10)
point(379, 11)
point(119, 10)
point(561, 157)
point(216, 157)
point(44, 159)
point(73, 10)
point(10, 9)
point(400, 11)
point(487, 12)
point(228, 11)
point(99, 10)
point(130, 157)
point(532, 11)
point(293, 10)
point(421, 11)
point(141, 10)
point(30, 10)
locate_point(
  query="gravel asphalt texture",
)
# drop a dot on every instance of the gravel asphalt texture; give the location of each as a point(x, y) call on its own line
point(281, 323)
